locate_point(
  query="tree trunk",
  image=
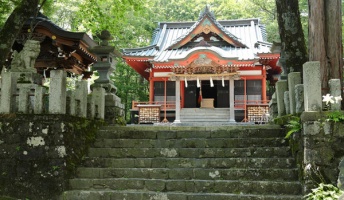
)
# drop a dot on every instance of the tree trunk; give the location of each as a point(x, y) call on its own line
point(325, 39)
point(13, 26)
point(292, 37)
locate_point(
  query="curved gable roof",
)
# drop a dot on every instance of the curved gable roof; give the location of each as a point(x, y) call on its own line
point(206, 23)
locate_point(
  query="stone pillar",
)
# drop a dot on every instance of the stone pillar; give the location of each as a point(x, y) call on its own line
point(90, 107)
point(273, 111)
point(311, 152)
point(8, 88)
point(335, 91)
point(286, 102)
point(24, 102)
point(294, 78)
point(299, 98)
point(312, 86)
point(80, 98)
point(340, 182)
point(39, 99)
point(231, 100)
point(70, 107)
point(57, 92)
point(177, 119)
point(281, 87)
point(99, 101)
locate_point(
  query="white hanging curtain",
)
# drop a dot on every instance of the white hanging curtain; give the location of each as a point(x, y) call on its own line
point(186, 82)
point(223, 82)
point(198, 83)
point(211, 82)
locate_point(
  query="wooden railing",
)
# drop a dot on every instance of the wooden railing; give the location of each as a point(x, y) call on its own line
point(241, 104)
point(170, 105)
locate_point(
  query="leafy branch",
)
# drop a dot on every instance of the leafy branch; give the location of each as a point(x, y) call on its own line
point(294, 125)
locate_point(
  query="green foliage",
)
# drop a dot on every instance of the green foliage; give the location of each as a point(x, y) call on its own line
point(6, 8)
point(324, 192)
point(294, 125)
point(335, 116)
point(130, 85)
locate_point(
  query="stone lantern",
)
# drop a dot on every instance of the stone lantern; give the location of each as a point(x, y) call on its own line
point(106, 62)
point(105, 65)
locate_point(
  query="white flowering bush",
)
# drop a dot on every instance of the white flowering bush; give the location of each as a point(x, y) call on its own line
point(328, 99)
point(336, 115)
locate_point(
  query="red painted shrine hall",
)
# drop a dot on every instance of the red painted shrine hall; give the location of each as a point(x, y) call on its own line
point(207, 65)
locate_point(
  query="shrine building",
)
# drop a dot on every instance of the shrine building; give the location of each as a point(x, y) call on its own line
point(210, 66)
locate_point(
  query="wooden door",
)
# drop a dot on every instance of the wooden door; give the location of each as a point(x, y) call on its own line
point(222, 95)
point(190, 95)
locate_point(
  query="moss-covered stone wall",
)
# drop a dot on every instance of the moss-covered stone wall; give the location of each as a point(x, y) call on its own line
point(38, 153)
point(318, 149)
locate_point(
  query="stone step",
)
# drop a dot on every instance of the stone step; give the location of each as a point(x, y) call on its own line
point(190, 173)
point(176, 132)
point(206, 111)
point(184, 114)
point(149, 195)
point(281, 163)
point(197, 186)
point(259, 152)
point(197, 117)
point(204, 119)
point(191, 143)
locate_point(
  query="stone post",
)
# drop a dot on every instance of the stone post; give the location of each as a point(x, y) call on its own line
point(39, 99)
point(340, 182)
point(70, 103)
point(8, 88)
point(335, 91)
point(80, 98)
point(99, 102)
point(294, 78)
point(90, 107)
point(273, 111)
point(299, 98)
point(24, 102)
point(286, 102)
point(57, 92)
point(281, 87)
point(312, 86)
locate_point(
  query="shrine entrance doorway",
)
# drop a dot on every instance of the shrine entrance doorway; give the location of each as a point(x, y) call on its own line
point(219, 93)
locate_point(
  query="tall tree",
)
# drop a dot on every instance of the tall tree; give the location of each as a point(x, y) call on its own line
point(325, 38)
point(13, 26)
point(292, 38)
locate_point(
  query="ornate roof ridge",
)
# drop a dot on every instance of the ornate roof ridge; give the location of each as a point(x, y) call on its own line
point(206, 11)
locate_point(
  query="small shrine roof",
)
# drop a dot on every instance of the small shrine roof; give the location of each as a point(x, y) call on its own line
point(43, 21)
point(59, 48)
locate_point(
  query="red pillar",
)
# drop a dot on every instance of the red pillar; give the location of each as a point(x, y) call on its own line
point(151, 88)
point(264, 85)
point(182, 87)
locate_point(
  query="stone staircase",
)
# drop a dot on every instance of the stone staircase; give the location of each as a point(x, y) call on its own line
point(188, 115)
point(187, 163)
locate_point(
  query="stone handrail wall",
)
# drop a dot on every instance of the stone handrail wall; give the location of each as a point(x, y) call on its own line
point(317, 147)
point(21, 94)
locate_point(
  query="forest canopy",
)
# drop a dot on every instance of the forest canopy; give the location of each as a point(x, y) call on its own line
point(132, 23)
